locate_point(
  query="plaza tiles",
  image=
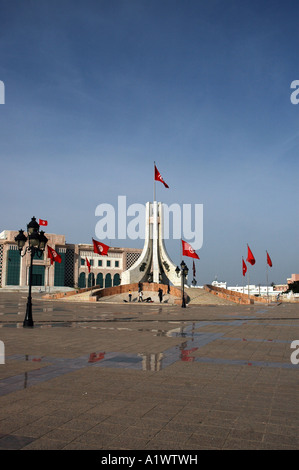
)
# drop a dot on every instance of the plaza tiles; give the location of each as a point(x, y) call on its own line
point(148, 376)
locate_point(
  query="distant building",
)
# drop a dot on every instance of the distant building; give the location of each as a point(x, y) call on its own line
point(294, 278)
point(258, 290)
point(71, 272)
point(219, 284)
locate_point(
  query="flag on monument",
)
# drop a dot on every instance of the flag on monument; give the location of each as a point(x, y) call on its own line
point(269, 261)
point(250, 257)
point(158, 177)
point(244, 267)
point(100, 248)
point(188, 250)
point(88, 264)
point(43, 222)
point(53, 255)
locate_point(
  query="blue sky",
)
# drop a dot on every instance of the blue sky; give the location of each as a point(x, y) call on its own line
point(97, 90)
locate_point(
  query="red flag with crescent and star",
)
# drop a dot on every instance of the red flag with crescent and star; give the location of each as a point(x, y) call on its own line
point(269, 261)
point(53, 255)
point(158, 177)
point(250, 257)
point(188, 250)
point(88, 264)
point(100, 248)
point(244, 267)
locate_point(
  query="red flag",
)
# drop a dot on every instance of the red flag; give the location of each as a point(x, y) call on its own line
point(88, 265)
point(53, 255)
point(100, 248)
point(250, 257)
point(188, 250)
point(43, 222)
point(244, 267)
point(158, 177)
point(269, 260)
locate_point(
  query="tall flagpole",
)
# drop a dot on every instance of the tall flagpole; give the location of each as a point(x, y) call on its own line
point(267, 278)
point(91, 273)
point(248, 283)
point(243, 275)
point(154, 183)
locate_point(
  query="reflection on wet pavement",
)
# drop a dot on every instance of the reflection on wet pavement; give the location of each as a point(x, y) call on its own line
point(186, 351)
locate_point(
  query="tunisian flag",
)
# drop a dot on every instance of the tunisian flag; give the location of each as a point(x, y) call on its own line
point(53, 255)
point(244, 267)
point(188, 250)
point(43, 222)
point(88, 264)
point(250, 257)
point(269, 260)
point(100, 248)
point(158, 177)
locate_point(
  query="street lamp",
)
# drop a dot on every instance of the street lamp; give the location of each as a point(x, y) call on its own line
point(36, 246)
point(184, 272)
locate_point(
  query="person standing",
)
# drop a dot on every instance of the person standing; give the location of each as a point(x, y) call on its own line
point(130, 296)
point(160, 294)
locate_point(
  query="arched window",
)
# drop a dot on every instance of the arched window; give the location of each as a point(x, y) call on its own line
point(100, 280)
point(82, 281)
point(108, 280)
point(116, 279)
point(90, 279)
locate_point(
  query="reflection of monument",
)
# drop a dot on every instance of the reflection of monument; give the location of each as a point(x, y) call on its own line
point(154, 264)
point(152, 361)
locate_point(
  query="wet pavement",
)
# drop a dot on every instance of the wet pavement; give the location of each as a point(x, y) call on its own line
point(148, 376)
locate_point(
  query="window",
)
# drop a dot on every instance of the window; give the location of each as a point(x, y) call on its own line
point(108, 280)
point(117, 264)
point(100, 281)
point(82, 262)
point(82, 281)
point(116, 279)
point(100, 263)
point(13, 267)
point(108, 263)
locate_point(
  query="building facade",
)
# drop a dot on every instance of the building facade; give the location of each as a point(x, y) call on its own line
point(73, 271)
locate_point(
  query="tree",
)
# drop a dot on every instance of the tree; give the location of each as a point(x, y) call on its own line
point(294, 287)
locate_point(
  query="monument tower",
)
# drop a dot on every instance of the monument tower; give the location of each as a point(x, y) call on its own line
point(154, 264)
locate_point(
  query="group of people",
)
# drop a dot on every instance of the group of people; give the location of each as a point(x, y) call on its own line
point(140, 294)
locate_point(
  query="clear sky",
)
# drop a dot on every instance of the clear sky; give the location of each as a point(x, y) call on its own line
point(97, 90)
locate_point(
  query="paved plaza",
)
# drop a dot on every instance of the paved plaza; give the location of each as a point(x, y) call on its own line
point(94, 375)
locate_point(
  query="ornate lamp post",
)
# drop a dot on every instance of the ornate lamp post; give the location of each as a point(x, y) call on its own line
point(36, 246)
point(184, 272)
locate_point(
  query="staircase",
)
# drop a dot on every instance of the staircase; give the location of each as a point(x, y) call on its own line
point(200, 296)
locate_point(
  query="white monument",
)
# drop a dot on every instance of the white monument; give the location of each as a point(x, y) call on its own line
point(154, 264)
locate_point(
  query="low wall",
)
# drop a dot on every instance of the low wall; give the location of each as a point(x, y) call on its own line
point(233, 296)
point(96, 292)
point(59, 295)
point(146, 286)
